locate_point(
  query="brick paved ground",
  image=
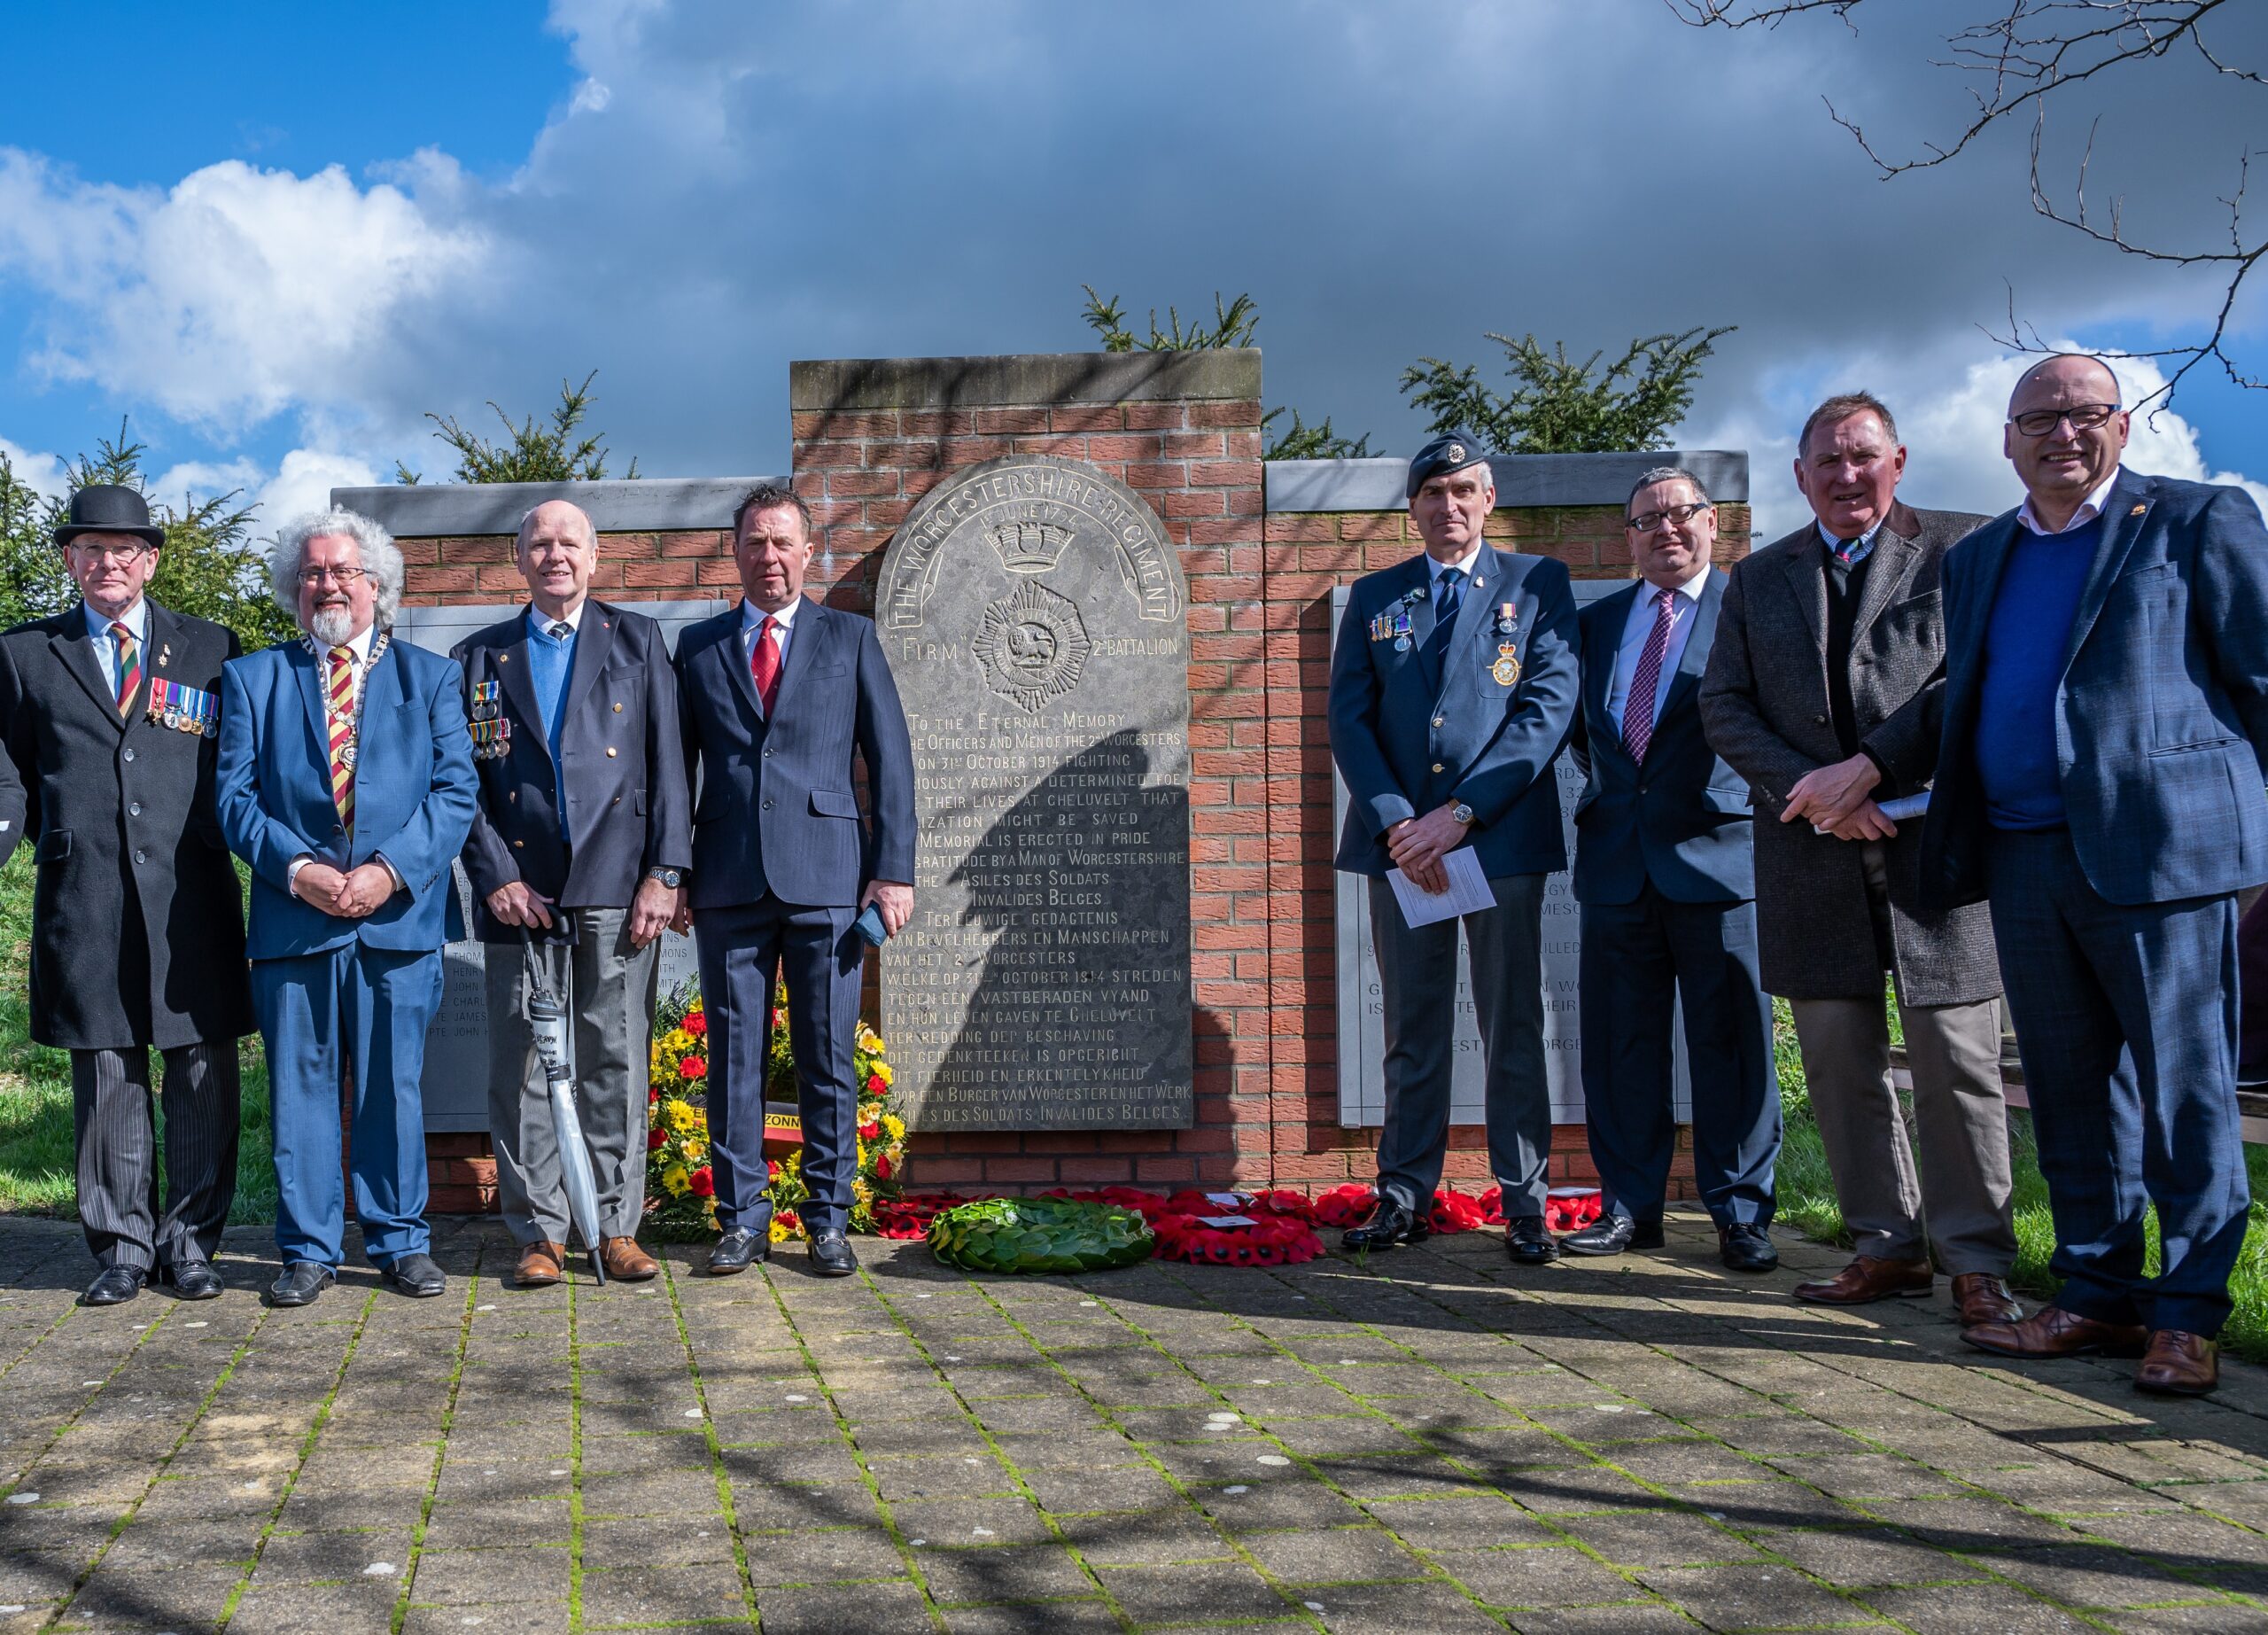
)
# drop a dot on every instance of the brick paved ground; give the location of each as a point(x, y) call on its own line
point(1435, 1443)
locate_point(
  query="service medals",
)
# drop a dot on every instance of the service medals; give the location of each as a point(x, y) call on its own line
point(492, 733)
point(1507, 667)
point(1393, 624)
point(184, 709)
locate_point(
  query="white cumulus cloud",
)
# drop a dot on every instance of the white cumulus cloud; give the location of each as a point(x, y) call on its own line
point(42, 474)
point(233, 295)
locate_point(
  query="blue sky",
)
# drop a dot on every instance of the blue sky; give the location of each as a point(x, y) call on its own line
point(277, 234)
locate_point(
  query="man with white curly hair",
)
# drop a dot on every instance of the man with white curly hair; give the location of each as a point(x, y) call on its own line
point(345, 781)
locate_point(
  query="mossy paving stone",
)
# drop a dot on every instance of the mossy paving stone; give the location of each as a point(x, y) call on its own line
point(1864, 1557)
point(1151, 1539)
point(1973, 1609)
point(1642, 1618)
point(1551, 1575)
point(816, 1463)
point(1340, 1555)
point(1395, 1476)
point(2223, 1618)
point(504, 1478)
point(1657, 1538)
point(642, 1543)
point(1007, 1518)
point(1217, 1592)
point(824, 1555)
point(315, 1609)
point(313, 1557)
point(1257, 1507)
point(680, 1493)
point(1061, 1618)
point(1971, 1524)
point(149, 1599)
point(56, 1527)
point(1748, 1506)
point(1081, 1450)
point(663, 1594)
point(1396, 1609)
point(875, 1609)
point(1739, 1597)
point(1352, 1435)
point(1568, 1490)
point(942, 1476)
point(1131, 1486)
point(678, 1449)
point(1013, 1573)
point(784, 1507)
point(495, 1568)
point(529, 1520)
point(1461, 1522)
point(488, 1618)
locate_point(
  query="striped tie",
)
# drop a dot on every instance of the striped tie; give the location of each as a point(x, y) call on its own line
point(1638, 708)
point(130, 667)
point(342, 734)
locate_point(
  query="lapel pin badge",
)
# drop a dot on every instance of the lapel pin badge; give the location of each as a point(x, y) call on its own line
point(2138, 510)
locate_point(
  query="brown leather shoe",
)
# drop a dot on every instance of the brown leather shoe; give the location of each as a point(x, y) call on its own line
point(540, 1263)
point(625, 1261)
point(1978, 1297)
point(1867, 1280)
point(2054, 1332)
point(2179, 1364)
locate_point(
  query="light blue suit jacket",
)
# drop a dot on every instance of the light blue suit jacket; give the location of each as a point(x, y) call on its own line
point(2162, 716)
point(413, 795)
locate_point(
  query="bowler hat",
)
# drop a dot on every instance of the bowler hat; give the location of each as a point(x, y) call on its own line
point(107, 507)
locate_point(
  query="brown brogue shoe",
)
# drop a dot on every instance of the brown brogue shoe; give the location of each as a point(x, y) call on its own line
point(2053, 1332)
point(540, 1263)
point(2179, 1364)
point(625, 1261)
point(1867, 1280)
point(1978, 1297)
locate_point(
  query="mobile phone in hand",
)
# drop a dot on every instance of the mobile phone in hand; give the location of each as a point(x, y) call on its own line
point(869, 926)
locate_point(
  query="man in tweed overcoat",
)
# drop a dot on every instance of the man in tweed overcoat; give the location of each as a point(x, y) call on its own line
point(1821, 692)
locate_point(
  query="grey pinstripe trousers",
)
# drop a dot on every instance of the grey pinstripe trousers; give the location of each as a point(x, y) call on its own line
point(119, 1208)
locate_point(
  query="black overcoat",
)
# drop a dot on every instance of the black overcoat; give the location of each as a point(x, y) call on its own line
point(138, 917)
point(1765, 706)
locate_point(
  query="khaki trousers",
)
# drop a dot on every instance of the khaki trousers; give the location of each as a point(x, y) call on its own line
point(1955, 1197)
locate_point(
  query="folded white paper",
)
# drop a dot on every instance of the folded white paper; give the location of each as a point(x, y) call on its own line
point(1468, 892)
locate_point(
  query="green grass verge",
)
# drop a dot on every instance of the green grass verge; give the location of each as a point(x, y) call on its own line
point(1807, 1203)
point(35, 1141)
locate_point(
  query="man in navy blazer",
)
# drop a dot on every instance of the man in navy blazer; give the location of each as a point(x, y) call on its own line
point(2099, 782)
point(344, 779)
point(1452, 686)
point(1666, 873)
point(777, 696)
point(580, 844)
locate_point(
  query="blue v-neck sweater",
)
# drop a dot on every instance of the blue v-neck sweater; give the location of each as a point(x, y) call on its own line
point(2026, 643)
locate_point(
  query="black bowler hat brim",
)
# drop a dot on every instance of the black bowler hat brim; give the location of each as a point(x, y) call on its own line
point(153, 536)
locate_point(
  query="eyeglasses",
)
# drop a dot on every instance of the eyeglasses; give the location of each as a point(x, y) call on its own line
point(2083, 417)
point(345, 578)
point(1648, 521)
point(129, 553)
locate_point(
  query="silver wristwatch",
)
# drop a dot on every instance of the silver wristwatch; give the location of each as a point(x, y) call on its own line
point(670, 877)
point(1464, 814)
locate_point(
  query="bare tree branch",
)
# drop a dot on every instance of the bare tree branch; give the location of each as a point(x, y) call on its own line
point(2018, 59)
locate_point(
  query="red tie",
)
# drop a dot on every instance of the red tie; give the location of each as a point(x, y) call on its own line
point(764, 664)
point(1638, 708)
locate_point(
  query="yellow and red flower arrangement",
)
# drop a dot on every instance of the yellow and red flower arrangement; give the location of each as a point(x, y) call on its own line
point(681, 1187)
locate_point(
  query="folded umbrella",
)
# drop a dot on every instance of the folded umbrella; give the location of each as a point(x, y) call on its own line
point(548, 1019)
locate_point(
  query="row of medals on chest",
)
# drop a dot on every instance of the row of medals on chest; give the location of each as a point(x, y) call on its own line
point(1506, 670)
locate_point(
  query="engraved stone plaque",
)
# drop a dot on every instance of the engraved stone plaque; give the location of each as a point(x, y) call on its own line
point(1034, 613)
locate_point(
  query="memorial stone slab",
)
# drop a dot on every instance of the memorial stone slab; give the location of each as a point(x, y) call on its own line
point(1034, 613)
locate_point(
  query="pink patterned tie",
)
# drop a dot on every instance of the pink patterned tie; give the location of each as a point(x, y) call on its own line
point(1638, 708)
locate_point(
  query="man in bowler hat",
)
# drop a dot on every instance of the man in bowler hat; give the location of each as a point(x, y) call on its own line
point(108, 711)
point(1453, 682)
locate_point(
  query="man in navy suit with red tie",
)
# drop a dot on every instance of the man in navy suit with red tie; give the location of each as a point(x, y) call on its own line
point(777, 696)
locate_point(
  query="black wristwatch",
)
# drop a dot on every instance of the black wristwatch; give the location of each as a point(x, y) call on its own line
point(670, 877)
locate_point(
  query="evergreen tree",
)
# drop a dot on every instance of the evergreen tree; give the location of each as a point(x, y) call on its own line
point(529, 453)
point(1558, 407)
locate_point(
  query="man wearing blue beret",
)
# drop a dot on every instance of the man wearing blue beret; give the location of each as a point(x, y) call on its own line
point(1453, 681)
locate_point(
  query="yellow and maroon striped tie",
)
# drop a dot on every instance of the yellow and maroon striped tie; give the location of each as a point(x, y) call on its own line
point(342, 734)
point(129, 666)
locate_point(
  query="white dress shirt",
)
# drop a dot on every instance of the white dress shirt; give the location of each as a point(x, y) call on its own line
point(1638, 627)
point(540, 622)
point(2089, 509)
point(359, 670)
point(135, 619)
point(752, 618)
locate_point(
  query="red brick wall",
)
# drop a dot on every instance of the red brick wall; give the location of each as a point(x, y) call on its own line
point(869, 440)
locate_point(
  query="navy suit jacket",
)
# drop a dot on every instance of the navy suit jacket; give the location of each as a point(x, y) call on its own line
point(414, 793)
point(1681, 818)
point(2162, 716)
point(776, 811)
point(1407, 740)
point(628, 806)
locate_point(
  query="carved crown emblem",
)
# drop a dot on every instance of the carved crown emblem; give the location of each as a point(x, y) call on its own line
point(1029, 547)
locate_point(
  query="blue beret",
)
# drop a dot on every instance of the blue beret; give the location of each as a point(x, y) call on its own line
point(1452, 451)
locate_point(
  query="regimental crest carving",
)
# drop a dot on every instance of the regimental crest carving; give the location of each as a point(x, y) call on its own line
point(1033, 645)
point(1029, 546)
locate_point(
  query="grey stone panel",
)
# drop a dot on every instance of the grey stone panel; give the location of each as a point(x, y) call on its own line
point(849, 385)
point(645, 505)
point(1522, 480)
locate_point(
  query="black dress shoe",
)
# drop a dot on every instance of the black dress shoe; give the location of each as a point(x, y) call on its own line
point(193, 1279)
point(302, 1283)
point(738, 1249)
point(414, 1275)
point(1530, 1242)
point(831, 1255)
point(1746, 1247)
point(1610, 1234)
point(1389, 1224)
point(114, 1285)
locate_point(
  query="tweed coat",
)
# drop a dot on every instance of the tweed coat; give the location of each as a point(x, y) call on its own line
point(137, 920)
point(1764, 706)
